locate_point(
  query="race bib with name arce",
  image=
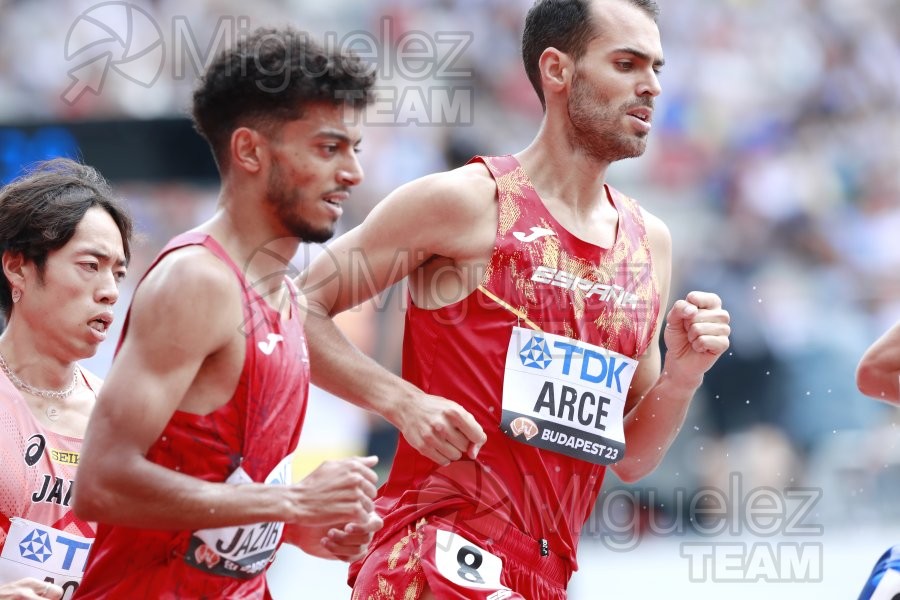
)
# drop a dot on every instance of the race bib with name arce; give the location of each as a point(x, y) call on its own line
point(566, 396)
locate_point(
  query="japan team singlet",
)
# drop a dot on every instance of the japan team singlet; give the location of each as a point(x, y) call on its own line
point(248, 439)
point(541, 354)
point(40, 536)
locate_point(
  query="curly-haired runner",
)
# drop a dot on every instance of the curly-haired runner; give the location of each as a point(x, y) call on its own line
point(207, 393)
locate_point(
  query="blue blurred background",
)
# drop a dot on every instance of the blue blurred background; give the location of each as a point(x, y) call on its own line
point(775, 160)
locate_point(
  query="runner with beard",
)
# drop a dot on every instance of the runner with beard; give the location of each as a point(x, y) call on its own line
point(535, 295)
point(187, 458)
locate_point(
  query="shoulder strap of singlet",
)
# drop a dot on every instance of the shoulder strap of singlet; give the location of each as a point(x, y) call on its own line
point(207, 241)
point(497, 165)
point(190, 238)
point(92, 381)
point(295, 293)
point(199, 238)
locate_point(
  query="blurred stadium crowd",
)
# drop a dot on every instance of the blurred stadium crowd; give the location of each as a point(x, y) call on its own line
point(775, 160)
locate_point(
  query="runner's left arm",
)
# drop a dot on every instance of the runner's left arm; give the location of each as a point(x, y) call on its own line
point(696, 334)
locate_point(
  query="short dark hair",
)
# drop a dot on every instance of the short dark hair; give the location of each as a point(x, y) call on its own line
point(268, 78)
point(40, 211)
point(565, 25)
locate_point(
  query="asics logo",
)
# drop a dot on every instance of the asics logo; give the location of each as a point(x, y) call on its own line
point(536, 233)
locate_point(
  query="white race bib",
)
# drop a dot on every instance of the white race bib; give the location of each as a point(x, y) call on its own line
point(39, 551)
point(242, 552)
point(567, 396)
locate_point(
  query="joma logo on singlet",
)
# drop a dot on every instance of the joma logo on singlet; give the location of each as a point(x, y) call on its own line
point(608, 293)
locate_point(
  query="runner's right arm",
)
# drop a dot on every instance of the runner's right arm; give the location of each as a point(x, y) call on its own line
point(185, 313)
point(429, 219)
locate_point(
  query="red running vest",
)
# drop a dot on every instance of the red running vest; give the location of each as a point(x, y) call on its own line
point(255, 430)
point(540, 277)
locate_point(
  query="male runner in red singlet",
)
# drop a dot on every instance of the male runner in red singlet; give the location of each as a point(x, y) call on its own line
point(535, 304)
point(186, 462)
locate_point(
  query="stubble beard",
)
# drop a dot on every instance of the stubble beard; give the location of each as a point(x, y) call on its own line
point(596, 127)
point(286, 201)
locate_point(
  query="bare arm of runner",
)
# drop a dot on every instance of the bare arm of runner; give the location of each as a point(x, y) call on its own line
point(696, 335)
point(438, 217)
point(183, 314)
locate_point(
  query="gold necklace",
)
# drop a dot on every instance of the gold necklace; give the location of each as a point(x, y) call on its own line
point(52, 412)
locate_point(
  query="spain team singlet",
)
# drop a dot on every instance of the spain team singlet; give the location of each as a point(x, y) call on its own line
point(541, 354)
point(248, 439)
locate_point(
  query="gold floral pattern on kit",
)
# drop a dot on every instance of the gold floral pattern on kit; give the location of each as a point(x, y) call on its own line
point(626, 267)
point(409, 546)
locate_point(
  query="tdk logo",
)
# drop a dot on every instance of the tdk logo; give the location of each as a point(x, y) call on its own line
point(535, 354)
point(36, 546)
point(595, 367)
point(590, 365)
